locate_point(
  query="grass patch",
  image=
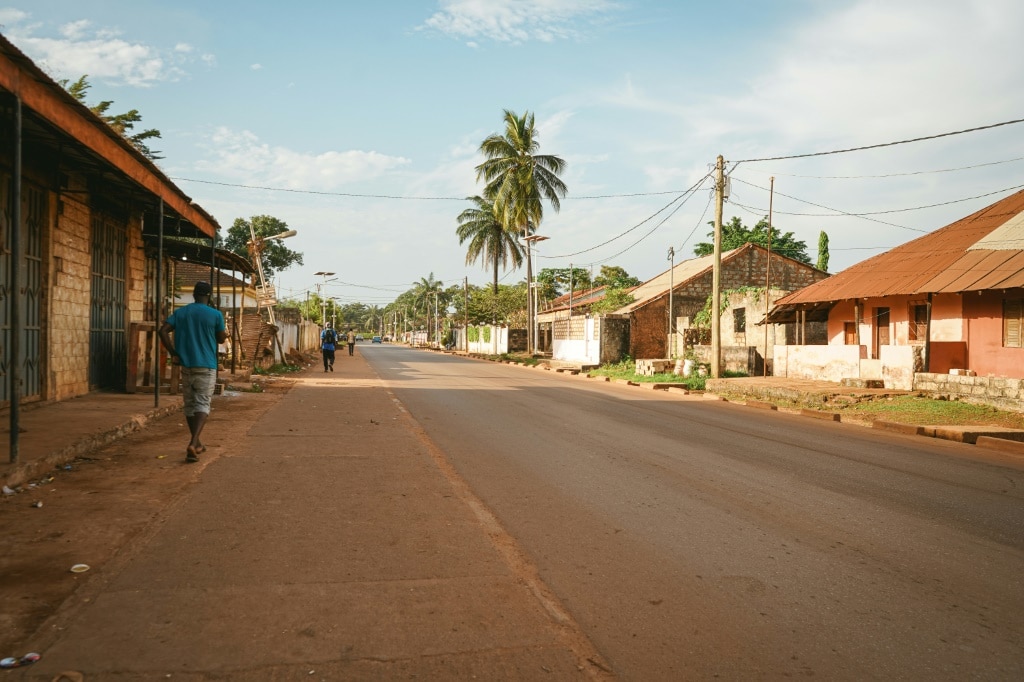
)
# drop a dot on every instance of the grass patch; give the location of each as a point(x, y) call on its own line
point(627, 370)
point(277, 369)
point(929, 411)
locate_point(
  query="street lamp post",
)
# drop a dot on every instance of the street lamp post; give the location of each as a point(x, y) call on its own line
point(530, 239)
point(323, 299)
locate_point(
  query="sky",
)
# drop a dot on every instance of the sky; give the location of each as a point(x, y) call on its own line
point(359, 123)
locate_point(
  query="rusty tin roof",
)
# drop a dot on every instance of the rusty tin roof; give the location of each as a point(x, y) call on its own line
point(983, 251)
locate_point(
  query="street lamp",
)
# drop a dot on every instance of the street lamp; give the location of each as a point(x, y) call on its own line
point(530, 239)
point(323, 301)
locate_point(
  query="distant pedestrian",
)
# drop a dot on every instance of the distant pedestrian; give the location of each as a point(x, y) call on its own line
point(198, 328)
point(328, 342)
point(351, 338)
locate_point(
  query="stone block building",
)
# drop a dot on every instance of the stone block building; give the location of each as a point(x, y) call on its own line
point(86, 227)
point(654, 332)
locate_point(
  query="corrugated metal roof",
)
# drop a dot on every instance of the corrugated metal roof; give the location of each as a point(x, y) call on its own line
point(962, 256)
point(658, 286)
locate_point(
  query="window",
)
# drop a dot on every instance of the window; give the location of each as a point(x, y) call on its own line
point(739, 320)
point(1013, 322)
point(918, 322)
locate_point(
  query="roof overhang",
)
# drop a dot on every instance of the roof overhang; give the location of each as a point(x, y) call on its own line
point(787, 314)
point(54, 119)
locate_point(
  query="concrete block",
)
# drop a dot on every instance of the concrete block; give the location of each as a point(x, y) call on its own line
point(896, 427)
point(817, 414)
point(761, 405)
point(1012, 447)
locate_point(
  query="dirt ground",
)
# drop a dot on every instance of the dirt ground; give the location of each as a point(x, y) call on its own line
point(87, 511)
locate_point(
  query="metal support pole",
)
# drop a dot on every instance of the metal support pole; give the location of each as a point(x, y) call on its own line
point(157, 299)
point(14, 287)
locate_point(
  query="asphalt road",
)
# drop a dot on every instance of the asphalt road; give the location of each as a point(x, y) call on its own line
point(692, 539)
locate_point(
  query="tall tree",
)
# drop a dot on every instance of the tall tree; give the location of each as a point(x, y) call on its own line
point(276, 256)
point(556, 281)
point(735, 235)
point(489, 241)
point(123, 124)
point(518, 179)
point(614, 277)
point(822, 252)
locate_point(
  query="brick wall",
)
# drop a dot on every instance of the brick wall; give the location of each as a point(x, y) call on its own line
point(649, 326)
point(68, 303)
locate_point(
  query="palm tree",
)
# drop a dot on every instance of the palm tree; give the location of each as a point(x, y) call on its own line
point(424, 291)
point(373, 315)
point(489, 241)
point(518, 178)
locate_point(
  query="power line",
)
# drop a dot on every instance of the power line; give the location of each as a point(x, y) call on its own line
point(888, 175)
point(396, 196)
point(863, 216)
point(893, 210)
point(693, 188)
point(883, 144)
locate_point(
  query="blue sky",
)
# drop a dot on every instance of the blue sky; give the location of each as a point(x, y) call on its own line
point(370, 114)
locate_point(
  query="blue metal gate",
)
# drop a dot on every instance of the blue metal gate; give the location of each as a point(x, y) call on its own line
point(33, 212)
point(108, 354)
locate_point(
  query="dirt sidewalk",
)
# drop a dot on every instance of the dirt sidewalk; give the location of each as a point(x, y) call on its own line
point(321, 537)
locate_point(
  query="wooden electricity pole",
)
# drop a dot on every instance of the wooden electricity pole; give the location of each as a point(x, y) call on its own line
point(716, 276)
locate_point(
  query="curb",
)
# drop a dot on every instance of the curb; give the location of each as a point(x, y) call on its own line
point(1010, 447)
point(824, 416)
point(896, 427)
point(16, 474)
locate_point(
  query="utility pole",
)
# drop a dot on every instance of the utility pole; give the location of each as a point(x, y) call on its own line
point(768, 274)
point(716, 277)
point(671, 311)
point(465, 310)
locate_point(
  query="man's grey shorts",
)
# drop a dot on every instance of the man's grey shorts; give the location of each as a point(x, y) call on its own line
point(197, 384)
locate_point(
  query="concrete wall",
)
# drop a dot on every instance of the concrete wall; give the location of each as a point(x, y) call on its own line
point(741, 359)
point(585, 351)
point(493, 341)
point(1003, 392)
point(827, 363)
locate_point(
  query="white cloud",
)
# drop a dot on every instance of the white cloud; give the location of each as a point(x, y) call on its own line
point(256, 67)
point(78, 47)
point(9, 15)
point(877, 68)
point(516, 21)
point(243, 157)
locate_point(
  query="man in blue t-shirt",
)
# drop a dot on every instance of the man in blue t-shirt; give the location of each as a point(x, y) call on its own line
point(328, 342)
point(197, 328)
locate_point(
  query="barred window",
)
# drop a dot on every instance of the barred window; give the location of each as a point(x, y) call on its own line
point(739, 320)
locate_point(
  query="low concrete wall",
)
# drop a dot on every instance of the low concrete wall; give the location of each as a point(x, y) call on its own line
point(899, 363)
point(1001, 392)
point(895, 365)
point(742, 359)
point(825, 363)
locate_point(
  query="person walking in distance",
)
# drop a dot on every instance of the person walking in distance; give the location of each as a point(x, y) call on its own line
point(351, 338)
point(328, 342)
point(197, 328)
